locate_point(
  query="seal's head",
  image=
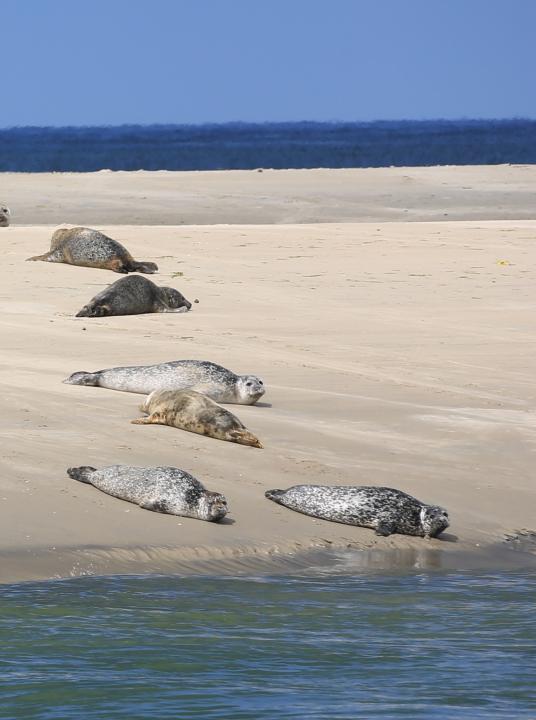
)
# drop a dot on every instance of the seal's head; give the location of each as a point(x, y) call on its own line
point(249, 388)
point(212, 506)
point(4, 215)
point(174, 299)
point(434, 520)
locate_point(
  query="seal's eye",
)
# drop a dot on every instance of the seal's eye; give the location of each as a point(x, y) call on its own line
point(249, 384)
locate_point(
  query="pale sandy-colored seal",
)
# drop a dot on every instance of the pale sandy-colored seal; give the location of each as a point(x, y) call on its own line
point(205, 377)
point(161, 489)
point(386, 510)
point(91, 248)
point(189, 410)
point(134, 295)
point(4, 215)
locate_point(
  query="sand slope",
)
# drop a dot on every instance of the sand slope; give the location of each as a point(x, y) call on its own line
point(491, 192)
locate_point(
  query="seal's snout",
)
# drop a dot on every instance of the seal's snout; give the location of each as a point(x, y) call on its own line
point(434, 520)
point(245, 437)
point(4, 216)
point(274, 495)
point(252, 389)
point(81, 473)
point(217, 507)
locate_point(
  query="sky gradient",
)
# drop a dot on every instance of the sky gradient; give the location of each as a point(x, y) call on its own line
point(70, 62)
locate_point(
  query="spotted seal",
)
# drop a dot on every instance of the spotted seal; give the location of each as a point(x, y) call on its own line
point(386, 510)
point(4, 215)
point(134, 295)
point(161, 489)
point(189, 410)
point(91, 248)
point(205, 377)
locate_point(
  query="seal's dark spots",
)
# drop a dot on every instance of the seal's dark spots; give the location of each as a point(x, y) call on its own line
point(191, 496)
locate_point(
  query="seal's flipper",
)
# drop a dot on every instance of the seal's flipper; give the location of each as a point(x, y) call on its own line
point(83, 378)
point(94, 311)
point(53, 255)
point(384, 528)
point(155, 506)
point(143, 421)
point(156, 418)
point(143, 267)
point(81, 473)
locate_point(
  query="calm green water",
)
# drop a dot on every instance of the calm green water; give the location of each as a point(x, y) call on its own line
point(449, 645)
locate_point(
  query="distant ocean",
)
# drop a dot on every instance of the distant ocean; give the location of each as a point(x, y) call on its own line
point(246, 146)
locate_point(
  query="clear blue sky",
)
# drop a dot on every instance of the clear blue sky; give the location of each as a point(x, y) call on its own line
point(87, 62)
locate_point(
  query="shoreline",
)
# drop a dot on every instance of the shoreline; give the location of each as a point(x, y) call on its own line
point(42, 564)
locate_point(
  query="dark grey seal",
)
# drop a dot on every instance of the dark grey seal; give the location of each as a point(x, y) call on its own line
point(161, 489)
point(134, 295)
point(385, 510)
point(204, 377)
point(4, 215)
point(91, 248)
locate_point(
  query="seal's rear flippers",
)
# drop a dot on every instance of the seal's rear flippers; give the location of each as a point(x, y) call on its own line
point(53, 255)
point(83, 378)
point(81, 473)
point(94, 311)
point(274, 495)
point(144, 267)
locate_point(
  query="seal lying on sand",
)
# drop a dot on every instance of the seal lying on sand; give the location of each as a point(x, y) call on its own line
point(161, 489)
point(189, 410)
point(134, 295)
point(4, 215)
point(91, 248)
point(205, 377)
point(386, 510)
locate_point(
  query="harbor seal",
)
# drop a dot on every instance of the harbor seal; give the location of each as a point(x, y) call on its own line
point(91, 248)
point(134, 295)
point(189, 410)
point(4, 215)
point(386, 510)
point(205, 377)
point(160, 489)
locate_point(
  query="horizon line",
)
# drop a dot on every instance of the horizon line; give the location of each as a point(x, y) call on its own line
point(260, 123)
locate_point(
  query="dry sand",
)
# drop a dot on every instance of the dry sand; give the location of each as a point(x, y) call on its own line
point(496, 192)
point(394, 353)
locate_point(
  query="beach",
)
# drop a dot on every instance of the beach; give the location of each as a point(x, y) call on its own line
point(389, 313)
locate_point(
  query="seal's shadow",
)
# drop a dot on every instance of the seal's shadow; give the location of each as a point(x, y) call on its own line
point(448, 537)
point(263, 404)
point(226, 521)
